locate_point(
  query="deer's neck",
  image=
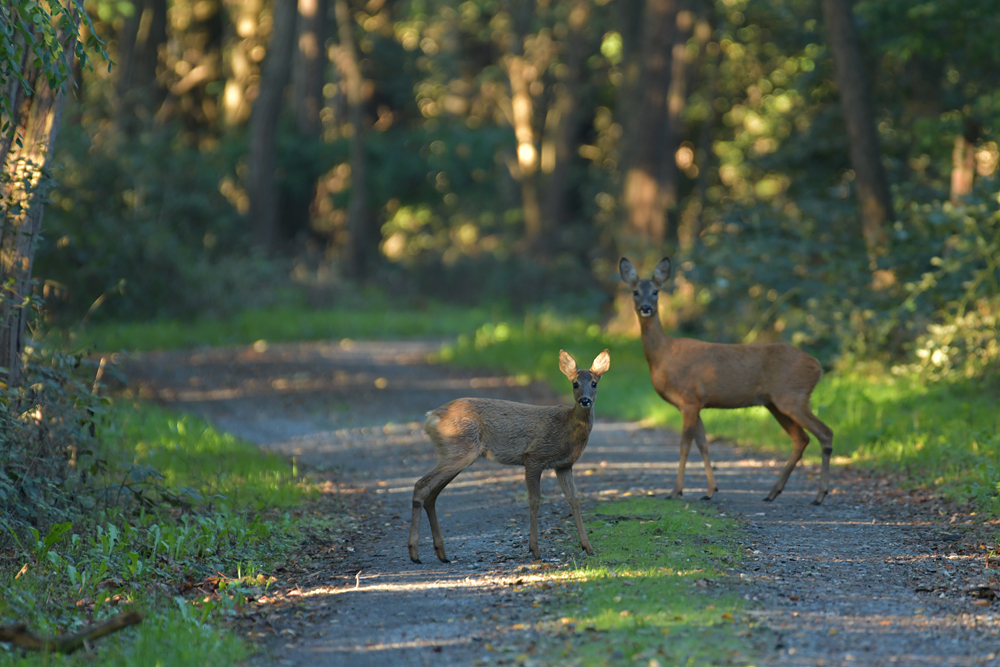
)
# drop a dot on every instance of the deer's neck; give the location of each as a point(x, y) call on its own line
point(655, 342)
point(581, 422)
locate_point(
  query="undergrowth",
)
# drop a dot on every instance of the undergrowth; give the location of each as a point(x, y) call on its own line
point(135, 508)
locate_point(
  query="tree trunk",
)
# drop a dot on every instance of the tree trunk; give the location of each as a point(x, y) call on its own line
point(263, 148)
point(870, 184)
point(309, 75)
point(521, 75)
point(361, 244)
point(237, 97)
point(139, 92)
point(643, 196)
point(24, 184)
point(676, 101)
point(562, 123)
point(963, 161)
point(310, 66)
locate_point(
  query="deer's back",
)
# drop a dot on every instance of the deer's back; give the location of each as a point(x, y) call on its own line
point(504, 431)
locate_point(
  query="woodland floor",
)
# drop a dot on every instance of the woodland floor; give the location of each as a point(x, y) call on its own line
point(874, 576)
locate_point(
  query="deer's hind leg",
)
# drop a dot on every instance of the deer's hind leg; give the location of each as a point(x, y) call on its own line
point(425, 493)
point(799, 442)
point(803, 417)
point(702, 441)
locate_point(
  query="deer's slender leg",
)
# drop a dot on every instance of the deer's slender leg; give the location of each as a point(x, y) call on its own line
point(428, 487)
point(565, 477)
point(824, 434)
point(799, 442)
point(702, 443)
point(533, 480)
point(429, 507)
point(688, 433)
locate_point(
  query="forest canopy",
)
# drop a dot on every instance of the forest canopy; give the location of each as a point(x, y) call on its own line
point(492, 151)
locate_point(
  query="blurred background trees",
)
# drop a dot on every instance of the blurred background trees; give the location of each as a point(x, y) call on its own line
point(821, 172)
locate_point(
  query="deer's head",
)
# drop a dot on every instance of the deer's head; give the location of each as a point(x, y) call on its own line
point(584, 381)
point(645, 292)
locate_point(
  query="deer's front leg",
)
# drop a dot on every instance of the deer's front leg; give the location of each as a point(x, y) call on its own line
point(565, 477)
point(688, 435)
point(533, 480)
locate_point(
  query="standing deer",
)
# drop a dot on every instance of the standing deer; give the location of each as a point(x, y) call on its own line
point(537, 437)
point(692, 375)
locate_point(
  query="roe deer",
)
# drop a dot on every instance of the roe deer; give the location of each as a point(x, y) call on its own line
point(536, 437)
point(692, 375)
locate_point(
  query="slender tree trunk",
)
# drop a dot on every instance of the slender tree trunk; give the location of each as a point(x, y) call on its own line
point(310, 66)
point(309, 75)
point(870, 183)
point(263, 149)
point(24, 183)
point(562, 124)
point(139, 92)
point(237, 97)
point(643, 196)
point(676, 102)
point(963, 162)
point(361, 245)
point(521, 75)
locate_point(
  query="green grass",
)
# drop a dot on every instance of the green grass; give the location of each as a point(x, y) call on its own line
point(654, 590)
point(190, 455)
point(284, 324)
point(181, 502)
point(943, 436)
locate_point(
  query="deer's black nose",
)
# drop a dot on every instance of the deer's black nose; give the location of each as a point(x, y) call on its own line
point(586, 402)
point(646, 310)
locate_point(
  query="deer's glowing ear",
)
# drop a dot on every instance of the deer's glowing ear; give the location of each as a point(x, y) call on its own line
point(628, 273)
point(601, 364)
point(661, 272)
point(567, 364)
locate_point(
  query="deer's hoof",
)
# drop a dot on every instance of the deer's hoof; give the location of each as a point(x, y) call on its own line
point(443, 559)
point(818, 501)
point(707, 496)
point(416, 560)
point(674, 495)
point(770, 497)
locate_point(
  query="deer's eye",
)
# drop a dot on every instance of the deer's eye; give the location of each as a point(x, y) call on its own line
point(655, 292)
point(635, 293)
point(593, 384)
point(576, 385)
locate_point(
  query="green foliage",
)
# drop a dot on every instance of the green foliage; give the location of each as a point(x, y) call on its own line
point(208, 508)
point(30, 34)
point(644, 595)
point(140, 228)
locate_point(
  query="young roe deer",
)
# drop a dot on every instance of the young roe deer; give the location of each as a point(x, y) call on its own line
point(536, 437)
point(692, 375)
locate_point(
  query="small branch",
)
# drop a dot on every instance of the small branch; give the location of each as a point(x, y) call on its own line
point(18, 635)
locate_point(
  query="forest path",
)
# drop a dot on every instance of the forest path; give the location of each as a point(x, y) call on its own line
point(871, 577)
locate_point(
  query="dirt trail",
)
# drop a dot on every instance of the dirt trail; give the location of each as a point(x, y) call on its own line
point(872, 577)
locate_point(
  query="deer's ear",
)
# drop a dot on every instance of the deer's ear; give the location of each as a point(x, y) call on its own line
point(628, 273)
point(601, 364)
point(567, 364)
point(661, 272)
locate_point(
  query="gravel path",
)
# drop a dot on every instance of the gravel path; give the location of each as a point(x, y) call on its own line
point(874, 576)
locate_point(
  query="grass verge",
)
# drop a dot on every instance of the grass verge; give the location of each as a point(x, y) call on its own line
point(282, 324)
point(658, 591)
point(941, 435)
point(182, 523)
